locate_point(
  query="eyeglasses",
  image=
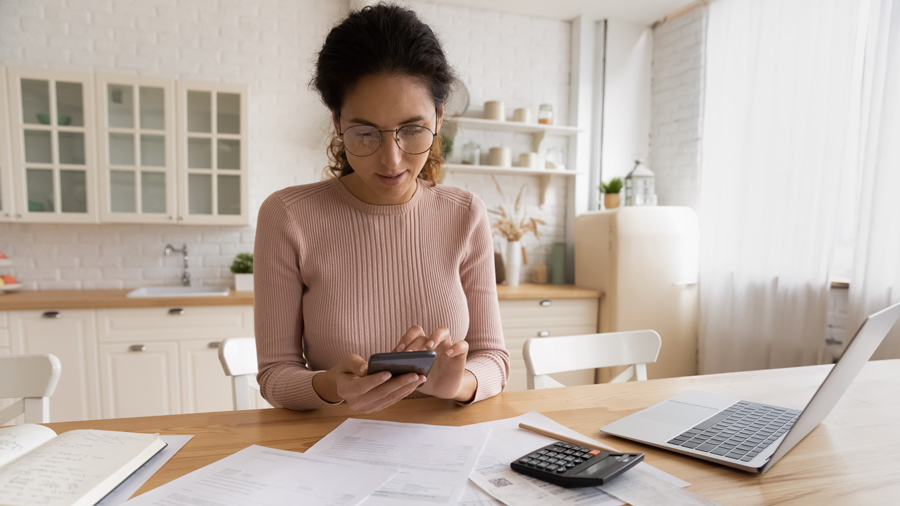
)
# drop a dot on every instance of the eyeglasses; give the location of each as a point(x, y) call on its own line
point(364, 140)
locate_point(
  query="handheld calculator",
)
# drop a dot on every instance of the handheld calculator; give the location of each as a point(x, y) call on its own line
point(569, 465)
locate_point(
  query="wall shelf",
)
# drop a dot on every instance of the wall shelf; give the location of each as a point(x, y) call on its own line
point(545, 174)
point(494, 169)
point(538, 131)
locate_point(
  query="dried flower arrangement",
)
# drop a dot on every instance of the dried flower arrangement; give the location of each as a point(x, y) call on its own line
point(513, 226)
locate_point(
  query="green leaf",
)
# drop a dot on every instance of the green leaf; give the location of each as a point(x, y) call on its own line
point(243, 263)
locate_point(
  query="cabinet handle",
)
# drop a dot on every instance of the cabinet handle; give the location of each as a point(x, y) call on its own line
point(546, 302)
point(176, 311)
point(51, 314)
point(213, 344)
point(544, 333)
point(137, 347)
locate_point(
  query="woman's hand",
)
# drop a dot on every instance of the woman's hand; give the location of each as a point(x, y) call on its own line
point(448, 377)
point(348, 381)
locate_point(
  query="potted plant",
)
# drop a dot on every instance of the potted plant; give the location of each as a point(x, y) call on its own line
point(242, 267)
point(610, 192)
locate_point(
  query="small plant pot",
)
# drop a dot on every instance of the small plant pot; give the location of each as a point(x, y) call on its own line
point(243, 282)
point(610, 200)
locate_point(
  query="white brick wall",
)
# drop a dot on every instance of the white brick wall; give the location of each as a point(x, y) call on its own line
point(677, 100)
point(270, 46)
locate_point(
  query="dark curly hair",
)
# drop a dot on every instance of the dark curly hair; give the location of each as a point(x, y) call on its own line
point(381, 39)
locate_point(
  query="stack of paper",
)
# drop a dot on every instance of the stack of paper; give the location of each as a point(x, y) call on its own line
point(387, 463)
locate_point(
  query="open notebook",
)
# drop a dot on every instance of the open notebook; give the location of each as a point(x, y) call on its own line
point(76, 468)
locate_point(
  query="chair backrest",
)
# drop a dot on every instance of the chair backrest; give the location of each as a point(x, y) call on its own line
point(550, 355)
point(238, 358)
point(32, 380)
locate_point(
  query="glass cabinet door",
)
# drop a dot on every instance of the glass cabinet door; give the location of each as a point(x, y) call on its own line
point(213, 159)
point(7, 206)
point(52, 132)
point(137, 131)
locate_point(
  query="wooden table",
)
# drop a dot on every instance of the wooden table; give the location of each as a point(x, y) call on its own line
point(852, 458)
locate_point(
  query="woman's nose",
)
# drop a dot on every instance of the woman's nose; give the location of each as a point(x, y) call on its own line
point(391, 154)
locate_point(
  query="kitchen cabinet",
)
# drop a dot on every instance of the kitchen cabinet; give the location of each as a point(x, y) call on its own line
point(5, 341)
point(212, 153)
point(52, 129)
point(523, 319)
point(204, 387)
point(127, 362)
point(168, 356)
point(6, 350)
point(136, 134)
point(139, 379)
point(7, 205)
point(85, 148)
point(71, 336)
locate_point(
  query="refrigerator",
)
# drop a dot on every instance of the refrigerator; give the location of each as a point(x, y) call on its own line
point(645, 261)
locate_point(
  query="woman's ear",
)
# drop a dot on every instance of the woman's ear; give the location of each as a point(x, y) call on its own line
point(440, 119)
point(336, 119)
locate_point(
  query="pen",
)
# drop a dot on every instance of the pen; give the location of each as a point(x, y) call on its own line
point(560, 437)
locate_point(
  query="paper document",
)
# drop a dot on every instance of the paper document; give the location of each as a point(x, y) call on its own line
point(258, 476)
point(434, 461)
point(508, 442)
point(641, 490)
point(128, 487)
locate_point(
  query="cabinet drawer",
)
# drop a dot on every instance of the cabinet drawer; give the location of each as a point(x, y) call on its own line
point(172, 324)
point(5, 341)
point(533, 313)
point(4, 320)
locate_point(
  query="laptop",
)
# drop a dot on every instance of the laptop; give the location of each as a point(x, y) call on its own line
point(750, 436)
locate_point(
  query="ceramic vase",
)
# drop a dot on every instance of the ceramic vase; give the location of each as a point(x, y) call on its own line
point(513, 262)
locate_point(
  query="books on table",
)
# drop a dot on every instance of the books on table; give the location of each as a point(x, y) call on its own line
point(76, 468)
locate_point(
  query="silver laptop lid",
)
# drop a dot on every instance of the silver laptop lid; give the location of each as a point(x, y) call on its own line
point(855, 356)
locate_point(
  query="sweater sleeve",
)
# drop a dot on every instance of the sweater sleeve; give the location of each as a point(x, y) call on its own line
point(488, 358)
point(284, 377)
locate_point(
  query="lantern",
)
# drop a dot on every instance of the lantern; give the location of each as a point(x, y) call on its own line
point(639, 186)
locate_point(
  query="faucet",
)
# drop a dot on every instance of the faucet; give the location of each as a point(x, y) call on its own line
point(186, 277)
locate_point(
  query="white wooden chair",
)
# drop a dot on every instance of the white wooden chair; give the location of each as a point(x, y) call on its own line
point(550, 355)
point(32, 380)
point(238, 358)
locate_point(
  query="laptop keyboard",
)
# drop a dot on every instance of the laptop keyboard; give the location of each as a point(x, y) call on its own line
point(740, 432)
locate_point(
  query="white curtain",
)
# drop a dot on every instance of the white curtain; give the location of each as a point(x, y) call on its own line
point(875, 281)
point(781, 98)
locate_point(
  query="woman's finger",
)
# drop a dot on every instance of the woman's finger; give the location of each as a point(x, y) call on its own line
point(408, 337)
point(351, 386)
point(458, 349)
point(432, 342)
point(388, 393)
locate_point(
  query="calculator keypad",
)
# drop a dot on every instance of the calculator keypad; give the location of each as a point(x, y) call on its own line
point(558, 457)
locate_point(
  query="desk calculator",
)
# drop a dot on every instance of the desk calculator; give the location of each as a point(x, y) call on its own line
point(570, 466)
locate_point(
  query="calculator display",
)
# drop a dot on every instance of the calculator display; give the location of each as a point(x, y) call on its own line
point(599, 466)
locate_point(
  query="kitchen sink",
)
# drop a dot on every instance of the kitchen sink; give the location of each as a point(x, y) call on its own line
point(180, 291)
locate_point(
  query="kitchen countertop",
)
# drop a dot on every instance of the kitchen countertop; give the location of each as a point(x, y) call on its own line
point(104, 299)
point(529, 291)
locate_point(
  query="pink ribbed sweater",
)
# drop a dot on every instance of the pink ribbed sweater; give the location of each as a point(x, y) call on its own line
point(335, 276)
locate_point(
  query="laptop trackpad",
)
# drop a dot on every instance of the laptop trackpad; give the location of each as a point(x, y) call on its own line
point(678, 413)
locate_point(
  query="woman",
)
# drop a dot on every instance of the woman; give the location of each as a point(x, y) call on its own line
point(378, 258)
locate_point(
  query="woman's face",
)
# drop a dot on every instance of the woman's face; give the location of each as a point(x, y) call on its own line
point(387, 176)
